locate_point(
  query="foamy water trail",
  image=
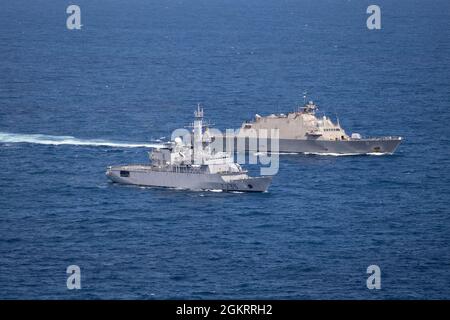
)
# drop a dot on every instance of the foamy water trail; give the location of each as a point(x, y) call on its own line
point(68, 140)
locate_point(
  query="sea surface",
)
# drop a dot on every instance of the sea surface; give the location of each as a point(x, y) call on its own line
point(73, 102)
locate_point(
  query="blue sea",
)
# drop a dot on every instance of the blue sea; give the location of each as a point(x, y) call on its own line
point(73, 102)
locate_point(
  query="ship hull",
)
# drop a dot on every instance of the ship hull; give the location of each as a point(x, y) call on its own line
point(145, 176)
point(324, 147)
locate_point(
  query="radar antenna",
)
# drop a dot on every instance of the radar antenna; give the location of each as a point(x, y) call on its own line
point(199, 113)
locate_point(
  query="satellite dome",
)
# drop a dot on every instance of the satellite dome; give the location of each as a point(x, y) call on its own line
point(178, 140)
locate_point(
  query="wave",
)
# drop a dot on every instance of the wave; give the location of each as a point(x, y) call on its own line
point(69, 140)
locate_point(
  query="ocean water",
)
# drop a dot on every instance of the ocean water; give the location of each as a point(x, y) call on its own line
point(74, 102)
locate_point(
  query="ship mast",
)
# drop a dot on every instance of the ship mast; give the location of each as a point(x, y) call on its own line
point(198, 136)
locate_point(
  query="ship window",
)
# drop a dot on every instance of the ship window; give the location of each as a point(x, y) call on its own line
point(124, 173)
point(250, 186)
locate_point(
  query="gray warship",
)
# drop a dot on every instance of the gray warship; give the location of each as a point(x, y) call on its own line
point(302, 131)
point(192, 165)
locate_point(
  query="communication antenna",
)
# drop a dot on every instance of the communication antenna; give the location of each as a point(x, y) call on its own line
point(305, 93)
point(199, 113)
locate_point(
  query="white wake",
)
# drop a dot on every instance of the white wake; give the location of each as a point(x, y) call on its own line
point(69, 140)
